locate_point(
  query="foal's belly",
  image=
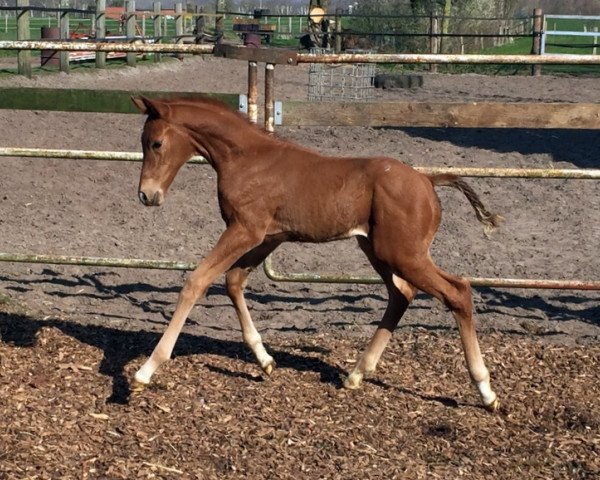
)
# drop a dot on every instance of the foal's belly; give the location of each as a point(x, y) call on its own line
point(315, 221)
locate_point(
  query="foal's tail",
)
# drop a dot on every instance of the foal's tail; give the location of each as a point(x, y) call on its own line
point(489, 220)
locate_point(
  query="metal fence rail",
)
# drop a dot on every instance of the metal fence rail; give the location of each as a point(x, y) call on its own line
point(81, 154)
point(77, 46)
point(439, 58)
point(556, 173)
point(294, 57)
point(328, 277)
point(96, 261)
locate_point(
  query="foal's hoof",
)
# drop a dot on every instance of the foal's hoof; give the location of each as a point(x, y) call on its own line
point(137, 387)
point(269, 367)
point(494, 406)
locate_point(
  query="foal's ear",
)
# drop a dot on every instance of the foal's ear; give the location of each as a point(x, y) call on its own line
point(153, 108)
point(139, 102)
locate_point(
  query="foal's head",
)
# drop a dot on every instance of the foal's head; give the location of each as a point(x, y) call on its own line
point(166, 145)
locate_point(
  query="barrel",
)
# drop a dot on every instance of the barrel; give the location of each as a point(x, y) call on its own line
point(50, 58)
point(251, 39)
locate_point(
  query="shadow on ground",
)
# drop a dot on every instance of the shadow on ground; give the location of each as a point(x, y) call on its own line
point(573, 146)
point(121, 347)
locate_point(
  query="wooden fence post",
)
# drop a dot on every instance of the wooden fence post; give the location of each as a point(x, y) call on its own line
point(269, 98)
point(433, 39)
point(338, 30)
point(100, 27)
point(253, 92)
point(157, 28)
point(130, 12)
point(63, 24)
point(536, 47)
point(23, 33)
point(220, 21)
point(179, 26)
point(595, 29)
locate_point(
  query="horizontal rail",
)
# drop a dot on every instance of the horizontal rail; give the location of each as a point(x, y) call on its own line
point(574, 17)
point(284, 277)
point(570, 173)
point(565, 173)
point(533, 115)
point(96, 261)
point(93, 100)
point(412, 58)
point(81, 154)
point(104, 46)
point(272, 274)
point(571, 33)
point(434, 58)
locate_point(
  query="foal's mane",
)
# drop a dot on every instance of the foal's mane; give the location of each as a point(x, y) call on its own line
point(211, 104)
point(217, 106)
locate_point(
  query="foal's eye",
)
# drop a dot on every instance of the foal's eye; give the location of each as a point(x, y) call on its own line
point(156, 144)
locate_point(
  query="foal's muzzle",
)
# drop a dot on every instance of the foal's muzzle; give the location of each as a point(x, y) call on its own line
point(151, 200)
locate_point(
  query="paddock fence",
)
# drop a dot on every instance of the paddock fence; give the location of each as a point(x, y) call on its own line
point(352, 29)
point(569, 116)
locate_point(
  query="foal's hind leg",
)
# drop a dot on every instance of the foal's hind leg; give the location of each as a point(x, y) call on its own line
point(235, 280)
point(455, 293)
point(401, 294)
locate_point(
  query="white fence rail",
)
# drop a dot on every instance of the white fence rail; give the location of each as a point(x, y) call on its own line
point(568, 33)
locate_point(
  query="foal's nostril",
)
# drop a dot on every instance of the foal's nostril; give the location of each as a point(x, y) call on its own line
point(156, 198)
point(143, 197)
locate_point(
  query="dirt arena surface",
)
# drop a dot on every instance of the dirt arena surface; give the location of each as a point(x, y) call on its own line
point(70, 337)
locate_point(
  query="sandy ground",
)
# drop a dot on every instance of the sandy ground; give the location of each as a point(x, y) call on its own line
point(91, 208)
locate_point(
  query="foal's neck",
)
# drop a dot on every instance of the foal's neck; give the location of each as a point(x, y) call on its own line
point(228, 139)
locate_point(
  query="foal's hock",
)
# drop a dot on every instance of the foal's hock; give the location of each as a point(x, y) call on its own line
point(272, 191)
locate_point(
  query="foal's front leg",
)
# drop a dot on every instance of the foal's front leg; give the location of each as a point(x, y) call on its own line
point(233, 244)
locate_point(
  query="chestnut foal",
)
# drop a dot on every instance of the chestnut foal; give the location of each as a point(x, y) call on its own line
point(271, 191)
